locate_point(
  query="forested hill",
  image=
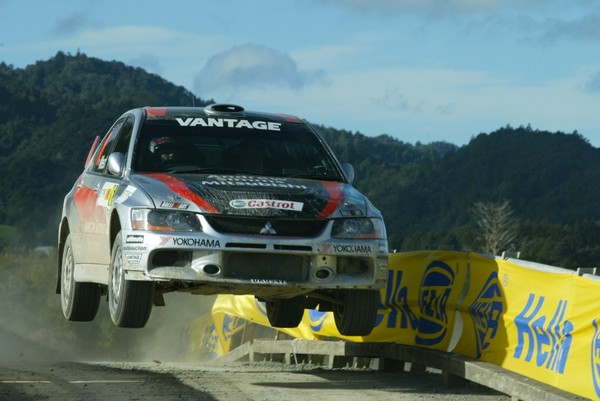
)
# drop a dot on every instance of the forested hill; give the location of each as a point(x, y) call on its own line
point(51, 111)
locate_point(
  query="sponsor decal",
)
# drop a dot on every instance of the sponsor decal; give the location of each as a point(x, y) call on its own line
point(549, 340)
point(133, 260)
point(102, 162)
point(267, 281)
point(266, 204)
point(106, 194)
point(175, 205)
point(351, 213)
point(261, 306)
point(250, 181)
point(345, 248)
point(434, 292)
point(486, 311)
point(135, 248)
point(127, 192)
point(134, 239)
point(316, 319)
point(595, 351)
point(395, 305)
point(229, 324)
point(194, 242)
point(228, 123)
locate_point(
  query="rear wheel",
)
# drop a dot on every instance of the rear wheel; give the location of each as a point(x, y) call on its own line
point(286, 312)
point(356, 311)
point(79, 301)
point(129, 302)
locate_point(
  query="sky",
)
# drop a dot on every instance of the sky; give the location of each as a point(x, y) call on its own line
point(417, 70)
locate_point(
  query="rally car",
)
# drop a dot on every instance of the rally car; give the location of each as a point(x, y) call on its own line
point(219, 200)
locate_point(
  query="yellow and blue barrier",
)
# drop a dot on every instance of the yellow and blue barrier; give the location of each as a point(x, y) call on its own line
point(540, 321)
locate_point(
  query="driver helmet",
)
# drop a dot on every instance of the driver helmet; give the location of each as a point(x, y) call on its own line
point(163, 148)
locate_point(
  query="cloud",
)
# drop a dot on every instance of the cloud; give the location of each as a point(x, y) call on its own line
point(71, 24)
point(585, 28)
point(423, 7)
point(392, 100)
point(148, 62)
point(593, 84)
point(253, 65)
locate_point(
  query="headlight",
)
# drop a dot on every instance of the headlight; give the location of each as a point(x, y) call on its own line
point(164, 220)
point(358, 228)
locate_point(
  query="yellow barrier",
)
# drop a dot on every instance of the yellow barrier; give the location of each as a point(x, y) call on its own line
point(535, 320)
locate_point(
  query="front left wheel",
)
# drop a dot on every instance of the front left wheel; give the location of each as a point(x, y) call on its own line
point(79, 301)
point(129, 302)
point(286, 312)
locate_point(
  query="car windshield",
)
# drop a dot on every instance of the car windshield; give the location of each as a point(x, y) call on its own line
point(180, 145)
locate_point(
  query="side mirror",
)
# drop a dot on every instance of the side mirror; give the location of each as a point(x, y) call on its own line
point(348, 171)
point(116, 163)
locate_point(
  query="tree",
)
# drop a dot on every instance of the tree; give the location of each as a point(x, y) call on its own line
point(498, 225)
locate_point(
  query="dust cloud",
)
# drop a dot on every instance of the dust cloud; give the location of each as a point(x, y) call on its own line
point(32, 327)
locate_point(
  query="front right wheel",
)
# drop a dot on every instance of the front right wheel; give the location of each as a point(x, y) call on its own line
point(129, 302)
point(355, 311)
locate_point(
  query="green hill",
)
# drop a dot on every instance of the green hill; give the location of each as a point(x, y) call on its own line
point(51, 111)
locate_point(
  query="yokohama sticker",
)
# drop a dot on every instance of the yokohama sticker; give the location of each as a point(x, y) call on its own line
point(266, 204)
point(194, 242)
point(345, 248)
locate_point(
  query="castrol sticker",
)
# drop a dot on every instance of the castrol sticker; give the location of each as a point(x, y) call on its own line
point(266, 204)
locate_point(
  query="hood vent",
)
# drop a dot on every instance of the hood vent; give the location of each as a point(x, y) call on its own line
point(222, 108)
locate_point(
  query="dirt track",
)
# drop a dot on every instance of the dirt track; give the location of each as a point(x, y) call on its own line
point(262, 381)
point(32, 371)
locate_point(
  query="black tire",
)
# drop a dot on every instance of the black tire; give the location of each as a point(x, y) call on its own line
point(79, 301)
point(129, 302)
point(356, 311)
point(286, 312)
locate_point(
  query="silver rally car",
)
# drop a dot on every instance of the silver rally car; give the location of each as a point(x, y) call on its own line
point(219, 200)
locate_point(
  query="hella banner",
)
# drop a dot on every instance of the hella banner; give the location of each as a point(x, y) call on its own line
point(540, 321)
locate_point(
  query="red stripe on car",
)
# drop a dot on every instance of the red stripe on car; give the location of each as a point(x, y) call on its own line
point(179, 187)
point(335, 198)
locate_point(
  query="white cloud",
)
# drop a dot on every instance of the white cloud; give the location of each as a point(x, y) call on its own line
point(71, 24)
point(427, 8)
point(446, 7)
point(593, 83)
point(431, 104)
point(148, 62)
point(584, 27)
point(252, 65)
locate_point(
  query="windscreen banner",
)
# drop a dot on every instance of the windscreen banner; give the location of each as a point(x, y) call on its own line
point(536, 320)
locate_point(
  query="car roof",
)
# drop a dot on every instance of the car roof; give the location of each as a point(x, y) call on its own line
point(217, 110)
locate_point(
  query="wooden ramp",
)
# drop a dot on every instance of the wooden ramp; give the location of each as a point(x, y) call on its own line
point(457, 370)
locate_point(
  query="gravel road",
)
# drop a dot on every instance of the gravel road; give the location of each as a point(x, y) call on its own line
point(210, 381)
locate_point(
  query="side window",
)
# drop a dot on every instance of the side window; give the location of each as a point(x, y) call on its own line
point(101, 157)
point(122, 145)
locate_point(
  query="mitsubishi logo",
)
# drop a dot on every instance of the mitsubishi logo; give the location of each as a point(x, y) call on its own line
point(268, 229)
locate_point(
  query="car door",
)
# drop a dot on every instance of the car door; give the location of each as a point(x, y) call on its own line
point(94, 196)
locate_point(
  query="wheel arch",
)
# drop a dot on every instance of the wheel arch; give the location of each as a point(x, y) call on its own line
point(115, 227)
point(63, 233)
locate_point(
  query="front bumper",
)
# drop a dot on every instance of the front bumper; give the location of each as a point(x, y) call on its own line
point(255, 264)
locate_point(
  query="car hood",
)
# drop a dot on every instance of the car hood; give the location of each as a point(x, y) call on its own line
point(252, 195)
